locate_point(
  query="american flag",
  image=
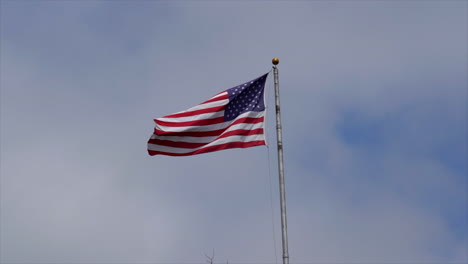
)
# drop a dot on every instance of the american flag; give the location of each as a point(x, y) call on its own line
point(233, 118)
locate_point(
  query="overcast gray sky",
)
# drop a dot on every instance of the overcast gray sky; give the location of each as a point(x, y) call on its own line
point(374, 108)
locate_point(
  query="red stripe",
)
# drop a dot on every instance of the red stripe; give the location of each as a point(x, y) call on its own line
point(197, 112)
point(246, 120)
point(201, 122)
point(180, 144)
point(222, 97)
point(212, 148)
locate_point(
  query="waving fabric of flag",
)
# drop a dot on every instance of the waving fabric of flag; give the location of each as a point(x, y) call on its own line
point(231, 119)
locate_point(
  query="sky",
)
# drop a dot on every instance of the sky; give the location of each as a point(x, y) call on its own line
point(374, 109)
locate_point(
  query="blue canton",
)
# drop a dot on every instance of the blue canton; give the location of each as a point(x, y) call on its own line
point(245, 97)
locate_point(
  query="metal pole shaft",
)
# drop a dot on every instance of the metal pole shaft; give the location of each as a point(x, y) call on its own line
point(284, 226)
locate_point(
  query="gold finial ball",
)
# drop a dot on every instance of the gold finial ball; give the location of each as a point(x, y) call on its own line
point(275, 61)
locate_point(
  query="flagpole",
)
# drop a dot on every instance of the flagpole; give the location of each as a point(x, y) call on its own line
point(284, 226)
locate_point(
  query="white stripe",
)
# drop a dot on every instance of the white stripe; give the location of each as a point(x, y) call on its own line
point(220, 141)
point(192, 118)
point(207, 105)
point(211, 138)
point(218, 95)
point(251, 114)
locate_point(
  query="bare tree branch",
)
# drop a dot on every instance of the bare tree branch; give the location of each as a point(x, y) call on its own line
point(210, 259)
